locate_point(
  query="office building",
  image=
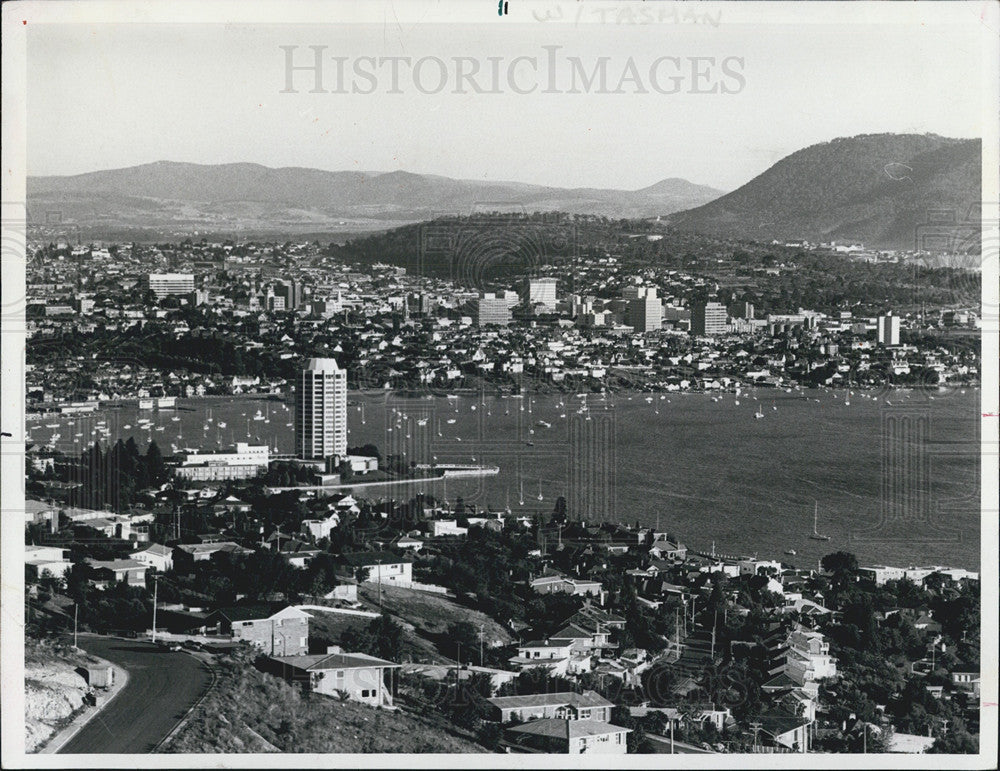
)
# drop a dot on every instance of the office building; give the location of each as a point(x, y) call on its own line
point(888, 330)
point(708, 318)
point(291, 292)
point(321, 410)
point(645, 312)
point(244, 462)
point(164, 284)
point(491, 310)
point(541, 291)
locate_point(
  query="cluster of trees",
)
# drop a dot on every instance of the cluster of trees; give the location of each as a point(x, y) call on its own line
point(110, 477)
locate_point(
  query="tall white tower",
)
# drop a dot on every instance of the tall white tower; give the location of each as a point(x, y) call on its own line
point(321, 410)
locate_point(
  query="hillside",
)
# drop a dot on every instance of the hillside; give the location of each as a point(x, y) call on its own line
point(245, 197)
point(249, 711)
point(877, 188)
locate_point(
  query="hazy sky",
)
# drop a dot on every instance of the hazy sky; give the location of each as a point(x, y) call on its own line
point(107, 96)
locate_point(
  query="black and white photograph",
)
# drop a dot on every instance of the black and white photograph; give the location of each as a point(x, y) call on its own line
point(401, 383)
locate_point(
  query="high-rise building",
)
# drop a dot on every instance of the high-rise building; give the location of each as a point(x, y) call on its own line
point(163, 284)
point(645, 312)
point(888, 330)
point(291, 291)
point(541, 291)
point(321, 410)
point(492, 310)
point(708, 318)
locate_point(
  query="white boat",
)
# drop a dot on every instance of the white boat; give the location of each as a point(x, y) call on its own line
point(175, 418)
point(816, 535)
point(159, 428)
point(790, 551)
point(543, 424)
point(758, 414)
point(450, 421)
point(221, 424)
point(258, 415)
point(52, 425)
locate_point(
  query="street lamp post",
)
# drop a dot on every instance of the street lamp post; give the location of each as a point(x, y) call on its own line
point(155, 584)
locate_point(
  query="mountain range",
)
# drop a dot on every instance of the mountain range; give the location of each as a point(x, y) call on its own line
point(880, 189)
point(247, 196)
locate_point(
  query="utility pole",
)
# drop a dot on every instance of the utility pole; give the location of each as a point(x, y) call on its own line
point(715, 620)
point(155, 585)
point(671, 736)
point(481, 628)
point(76, 609)
point(756, 726)
point(865, 734)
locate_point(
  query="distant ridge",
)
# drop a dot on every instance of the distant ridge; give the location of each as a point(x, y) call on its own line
point(169, 195)
point(880, 189)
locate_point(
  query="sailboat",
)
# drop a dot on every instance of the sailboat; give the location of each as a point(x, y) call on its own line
point(540, 496)
point(816, 535)
point(521, 493)
point(758, 414)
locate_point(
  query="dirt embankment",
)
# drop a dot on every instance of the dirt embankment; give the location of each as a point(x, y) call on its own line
point(54, 690)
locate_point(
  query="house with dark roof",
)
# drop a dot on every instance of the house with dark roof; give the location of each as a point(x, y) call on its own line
point(186, 554)
point(382, 566)
point(588, 705)
point(103, 573)
point(782, 729)
point(283, 632)
point(567, 737)
point(354, 676)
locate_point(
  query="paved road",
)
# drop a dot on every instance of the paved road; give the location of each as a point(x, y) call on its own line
point(162, 686)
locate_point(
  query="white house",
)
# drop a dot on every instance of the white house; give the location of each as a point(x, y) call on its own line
point(160, 558)
point(47, 559)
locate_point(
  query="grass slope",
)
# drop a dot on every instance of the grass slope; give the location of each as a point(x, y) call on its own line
point(249, 711)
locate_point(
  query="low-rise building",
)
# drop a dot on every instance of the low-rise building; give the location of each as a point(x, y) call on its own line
point(567, 737)
point(278, 633)
point(104, 573)
point(382, 567)
point(588, 705)
point(47, 560)
point(355, 676)
point(159, 558)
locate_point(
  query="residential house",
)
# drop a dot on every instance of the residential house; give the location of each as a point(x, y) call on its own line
point(588, 705)
point(320, 528)
point(555, 657)
point(382, 567)
point(574, 586)
point(572, 737)
point(186, 554)
point(278, 633)
point(354, 676)
point(783, 729)
point(107, 572)
point(51, 560)
point(667, 550)
point(157, 557)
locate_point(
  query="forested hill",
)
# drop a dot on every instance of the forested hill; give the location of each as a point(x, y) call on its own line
point(884, 190)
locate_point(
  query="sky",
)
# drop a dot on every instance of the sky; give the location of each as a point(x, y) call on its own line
point(114, 95)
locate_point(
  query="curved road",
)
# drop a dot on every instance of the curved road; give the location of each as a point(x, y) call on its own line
point(162, 687)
